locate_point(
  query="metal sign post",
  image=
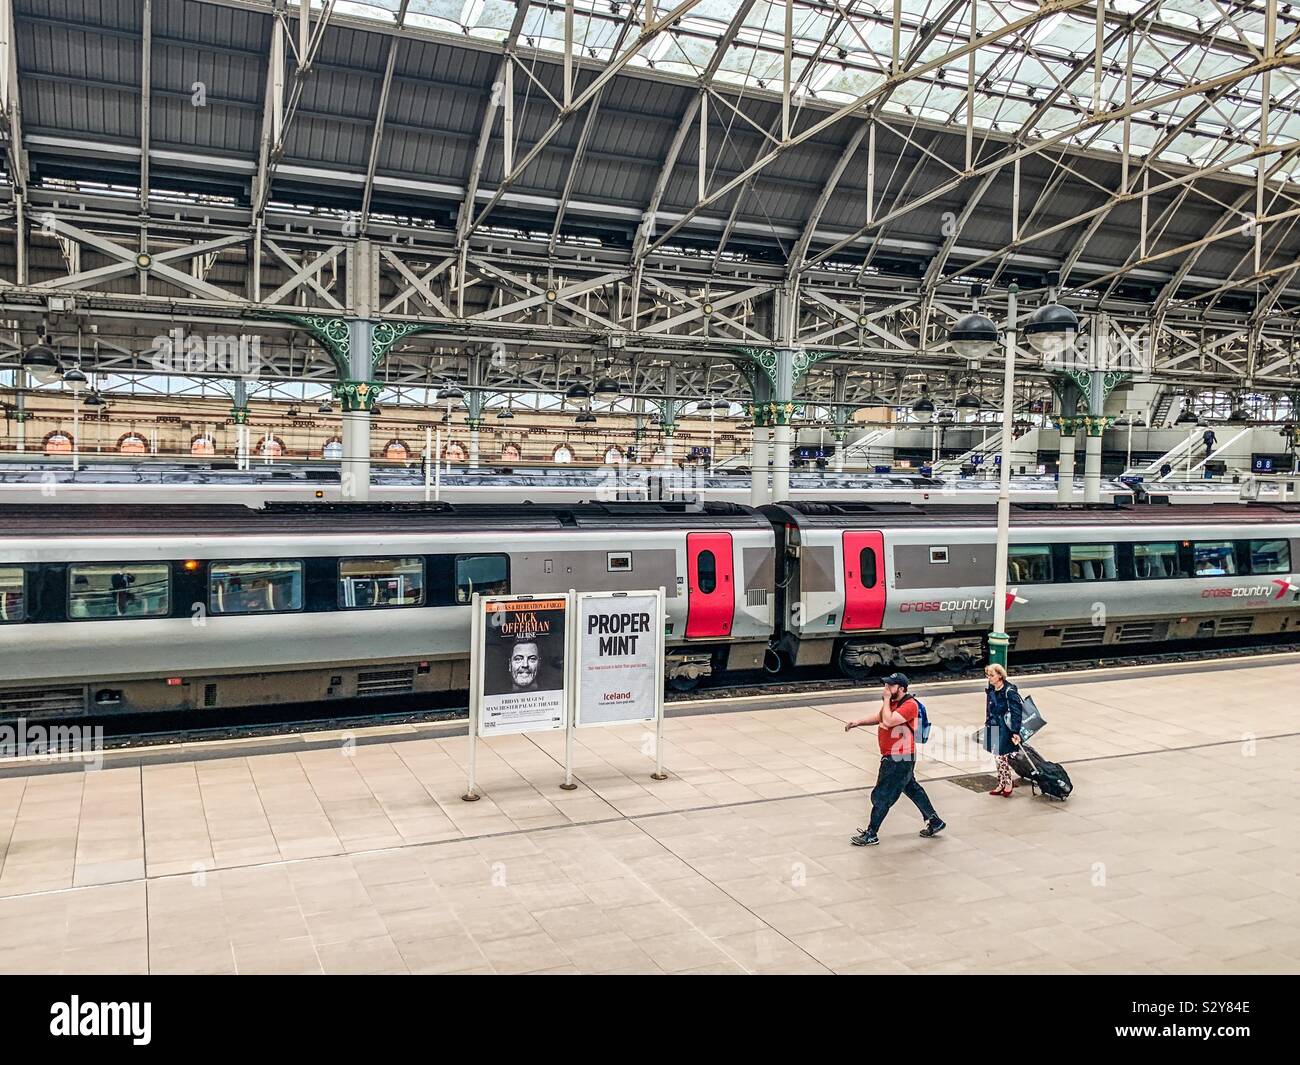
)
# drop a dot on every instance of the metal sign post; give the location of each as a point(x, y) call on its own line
point(437, 469)
point(570, 710)
point(659, 773)
point(475, 688)
point(428, 463)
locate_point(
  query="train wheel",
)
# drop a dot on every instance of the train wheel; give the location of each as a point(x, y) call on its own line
point(773, 663)
point(957, 664)
point(856, 672)
point(683, 684)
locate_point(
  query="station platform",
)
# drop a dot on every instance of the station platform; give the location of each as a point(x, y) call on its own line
point(1179, 851)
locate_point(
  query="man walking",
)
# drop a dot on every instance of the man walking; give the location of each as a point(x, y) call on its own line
point(896, 734)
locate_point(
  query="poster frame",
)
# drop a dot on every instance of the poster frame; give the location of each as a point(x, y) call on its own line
point(657, 666)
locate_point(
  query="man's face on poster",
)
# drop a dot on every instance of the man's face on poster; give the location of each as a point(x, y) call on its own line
point(524, 660)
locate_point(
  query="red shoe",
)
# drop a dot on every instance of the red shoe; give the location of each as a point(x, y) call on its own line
point(998, 791)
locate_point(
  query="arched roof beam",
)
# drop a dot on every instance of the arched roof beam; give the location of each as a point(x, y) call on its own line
point(1241, 74)
point(684, 127)
point(800, 249)
point(573, 106)
point(904, 74)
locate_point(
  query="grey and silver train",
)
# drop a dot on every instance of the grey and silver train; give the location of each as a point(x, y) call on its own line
point(137, 608)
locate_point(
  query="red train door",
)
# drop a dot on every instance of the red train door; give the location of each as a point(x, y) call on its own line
point(711, 597)
point(864, 580)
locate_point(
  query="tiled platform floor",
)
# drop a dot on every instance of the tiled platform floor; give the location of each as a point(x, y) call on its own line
point(1179, 851)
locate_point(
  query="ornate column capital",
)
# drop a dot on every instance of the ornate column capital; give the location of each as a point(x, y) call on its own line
point(239, 415)
point(1096, 424)
point(357, 395)
point(780, 413)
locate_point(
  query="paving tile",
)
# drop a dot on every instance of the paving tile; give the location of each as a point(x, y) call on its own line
point(1177, 853)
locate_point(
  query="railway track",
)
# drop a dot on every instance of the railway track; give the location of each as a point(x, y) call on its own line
point(166, 729)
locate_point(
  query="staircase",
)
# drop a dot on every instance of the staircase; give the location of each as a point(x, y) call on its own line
point(1161, 411)
point(988, 447)
point(876, 439)
point(1174, 456)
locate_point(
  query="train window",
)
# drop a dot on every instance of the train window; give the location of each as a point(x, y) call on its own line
point(1270, 556)
point(1092, 562)
point(1156, 561)
point(706, 569)
point(112, 590)
point(485, 574)
point(1214, 558)
point(867, 567)
point(254, 587)
point(378, 582)
point(13, 599)
point(1029, 564)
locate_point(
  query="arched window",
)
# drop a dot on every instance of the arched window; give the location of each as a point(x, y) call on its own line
point(333, 449)
point(203, 444)
point(511, 453)
point(454, 452)
point(269, 447)
point(58, 443)
point(132, 444)
point(562, 455)
point(613, 456)
point(397, 450)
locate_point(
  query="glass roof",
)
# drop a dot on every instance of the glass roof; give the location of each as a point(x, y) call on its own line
point(843, 49)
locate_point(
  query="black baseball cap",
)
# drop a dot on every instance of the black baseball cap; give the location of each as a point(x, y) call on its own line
point(895, 678)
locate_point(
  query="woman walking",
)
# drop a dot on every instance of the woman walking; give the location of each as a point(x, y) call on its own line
point(1003, 711)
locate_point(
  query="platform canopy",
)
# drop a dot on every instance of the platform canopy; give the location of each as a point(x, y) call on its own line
point(550, 185)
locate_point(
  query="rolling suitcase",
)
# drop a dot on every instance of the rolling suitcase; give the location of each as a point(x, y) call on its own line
point(1048, 777)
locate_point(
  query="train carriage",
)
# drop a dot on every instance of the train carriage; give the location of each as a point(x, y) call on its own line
point(204, 607)
point(869, 586)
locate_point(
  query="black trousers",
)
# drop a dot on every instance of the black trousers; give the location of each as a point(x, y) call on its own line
point(897, 777)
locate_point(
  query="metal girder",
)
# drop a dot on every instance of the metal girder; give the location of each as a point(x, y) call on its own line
point(499, 87)
point(887, 85)
point(11, 100)
point(127, 262)
point(146, 92)
point(947, 187)
point(580, 150)
point(381, 111)
point(279, 110)
point(800, 250)
point(573, 106)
